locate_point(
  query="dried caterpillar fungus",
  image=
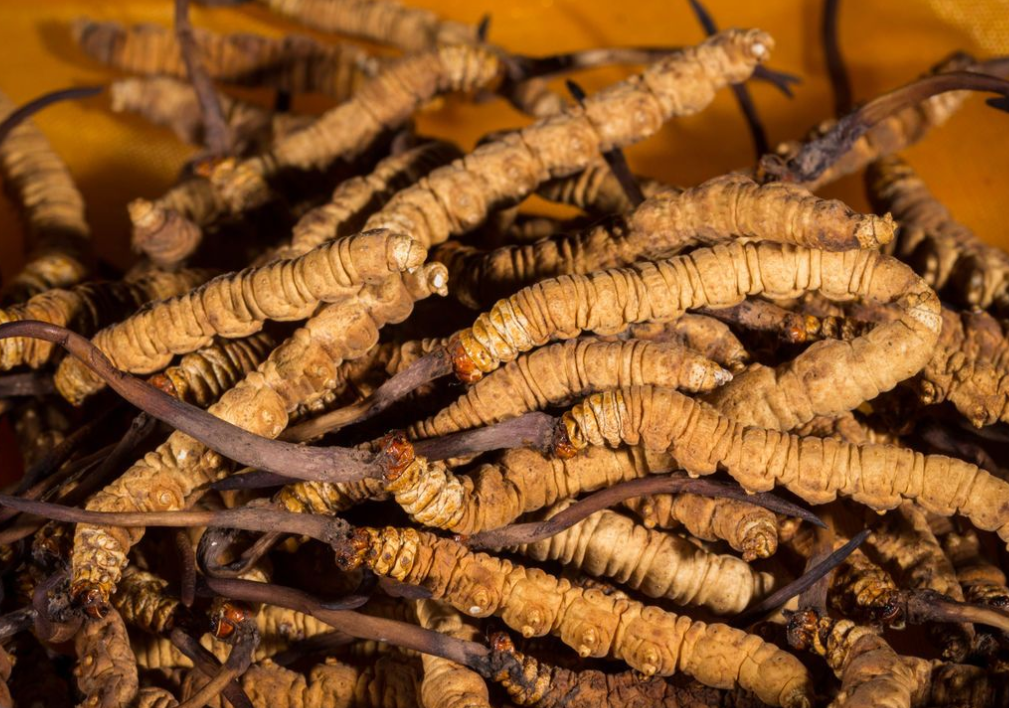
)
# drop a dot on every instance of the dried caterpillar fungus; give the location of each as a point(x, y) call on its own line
point(298, 371)
point(826, 378)
point(107, 670)
point(732, 206)
point(237, 305)
point(596, 190)
point(817, 470)
point(656, 563)
point(565, 371)
point(646, 638)
point(295, 64)
point(458, 197)
point(85, 309)
point(39, 184)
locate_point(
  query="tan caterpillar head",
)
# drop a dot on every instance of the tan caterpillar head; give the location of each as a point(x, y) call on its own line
point(397, 454)
point(92, 598)
point(465, 367)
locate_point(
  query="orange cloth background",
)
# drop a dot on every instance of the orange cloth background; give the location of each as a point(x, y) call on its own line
point(116, 157)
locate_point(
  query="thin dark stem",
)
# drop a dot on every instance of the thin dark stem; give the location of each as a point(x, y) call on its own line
point(797, 586)
point(923, 606)
point(426, 369)
point(518, 534)
point(817, 155)
point(815, 596)
point(208, 664)
point(37, 104)
point(257, 479)
point(315, 463)
point(325, 529)
point(29, 383)
point(187, 567)
point(533, 430)
point(840, 82)
point(324, 644)
point(217, 134)
point(354, 624)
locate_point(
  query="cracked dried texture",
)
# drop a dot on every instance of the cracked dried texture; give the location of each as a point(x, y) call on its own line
point(705, 335)
point(751, 530)
point(41, 188)
point(391, 682)
point(815, 469)
point(722, 209)
point(354, 198)
point(202, 377)
point(106, 670)
point(383, 21)
point(295, 64)
point(447, 684)
point(828, 377)
point(892, 134)
point(457, 198)
point(85, 309)
point(660, 565)
point(382, 104)
point(238, 304)
point(947, 254)
point(647, 638)
point(298, 371)
point(521, 480)
point(533, 683)
point(566, 371)
point(596, 190)
point(173, 103)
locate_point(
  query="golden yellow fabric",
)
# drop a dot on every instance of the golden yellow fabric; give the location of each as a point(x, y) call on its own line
point(115, 158)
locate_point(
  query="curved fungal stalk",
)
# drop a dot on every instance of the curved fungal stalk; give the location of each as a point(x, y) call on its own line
point(85, 309)
point(294, 64)
point(238, 304)
point(297, 372)
point(811, 162)
point(658, 564)
point(647, 638)
point(722, 209)
point(39, 184)
point(816, 470)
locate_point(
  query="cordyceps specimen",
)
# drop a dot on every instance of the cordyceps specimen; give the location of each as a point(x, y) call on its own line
point(58, 237)
point(238, 304)
point(339, 489)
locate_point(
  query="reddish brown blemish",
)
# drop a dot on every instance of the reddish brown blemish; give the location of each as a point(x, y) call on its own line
point(397, 454)
point(462, 363)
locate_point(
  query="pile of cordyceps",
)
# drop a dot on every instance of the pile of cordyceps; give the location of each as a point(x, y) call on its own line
point(400, 442)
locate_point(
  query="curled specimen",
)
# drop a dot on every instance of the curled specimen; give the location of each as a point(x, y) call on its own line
point(722, 209)
point(52, 209)
point(816, 470)
point(85, 309)
point(237, 305)
point(647, 638)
